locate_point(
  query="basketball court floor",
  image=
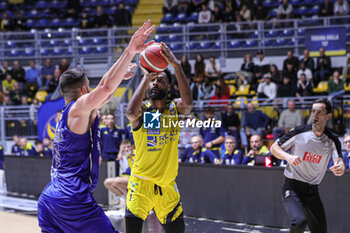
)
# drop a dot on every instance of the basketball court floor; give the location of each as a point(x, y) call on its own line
point(19, 215)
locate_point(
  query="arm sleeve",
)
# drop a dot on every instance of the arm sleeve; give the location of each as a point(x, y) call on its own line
point(239, 158)
point(209, 156)
point(288, 140)
point(246, 160)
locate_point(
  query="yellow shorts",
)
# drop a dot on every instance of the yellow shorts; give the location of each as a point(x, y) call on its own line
point(143, 196)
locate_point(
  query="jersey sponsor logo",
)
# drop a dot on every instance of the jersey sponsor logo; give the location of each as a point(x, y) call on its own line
point(152, 141)
point(151, 120)
point(312, 158)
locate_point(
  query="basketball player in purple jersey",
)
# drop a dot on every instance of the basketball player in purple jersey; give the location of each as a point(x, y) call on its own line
point(67, 203)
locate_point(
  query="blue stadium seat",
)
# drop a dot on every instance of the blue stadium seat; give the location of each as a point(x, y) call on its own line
point(42, 5)
point(3, 6)
point(308, 2)
point(28, 52)
point(302, 10)
point(175, 46)
point(31, 23)
point(10, 44)
point(93, 3)
point(111, 10)
point(168, 18)
point(101, 49)
point(69, 51)
point(105, 2)
point(67, 42)
point(55, 4)
point(83, 42)
point(216, 45)
point(193, 17)
point(301, 32)
point(159, 38)
point(13, 53)
point(43, 23)
point(294, 2)
point(268, 43)
point(131, 2)
point(116, 2)
point(272, 33)
point(69, 22)
point(57, 51)
point(177, 27)
point(192, 46)
point(163, 28)
point(56, 22)
point(314, 10)
point(174, 38)
point(33, 14)
point(273, 13)
point(250, 43)
point(44, 51)
point(191, 26)
point(288, 32)
point(267, 3)
point(85, 50)
point(181, 17)
point(281, 42)
point(254, 34)
point(54, 43)
point(234, 44)
point(204, 45)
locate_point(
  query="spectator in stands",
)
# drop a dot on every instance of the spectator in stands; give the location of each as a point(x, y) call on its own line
point(101, 19)
point(212, 136)
point(204, 15)
point(112, 136)
point(186, 66)
point(24, 100)
point(249, 3)
point(287, 88)
point(47, 73)
point(346, 68)
point(85, 20)
point(276, 75)
point(291, 60)
point(5, 23)
point(289, 119)
point(341, 7)
point(262, 65)
point(198, 4)
point(304, 70)
point(323, 68)
point(16, 147)
point(228, 15)
point(33, 109)
point(185, 6)
point(260, 12)
point(304, 87)
point(246, 74)
point(48, 144)
point(230, 121)
point(199, 69)
point(122, 17)
point(64, 65)
point(170, 6)
point(39, 148)
point(326, 8)
point(72, 9)
point(255, 122)
point(267, 89)
point(213, 69)
point(8, 84)
point(53, 83)
point(19, 23)
point(224, 88)
point(206, 90)
point(291, 73)
point(32, 77)
point(27, 148)
point(284, 10)
point(244, 14)
point(257, 149)
point(346, 155)
point(15, 94)
point(336, 85)
point(216, 16)
point(18, 73)
point(232, 156)
point(6, 100)
point(197, 153)
point(4, 70)
point(309, 62)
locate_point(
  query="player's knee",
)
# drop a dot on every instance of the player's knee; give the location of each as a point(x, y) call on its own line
point(178, 226)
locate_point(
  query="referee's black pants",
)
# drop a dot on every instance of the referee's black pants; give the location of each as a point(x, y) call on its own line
point(304, 207)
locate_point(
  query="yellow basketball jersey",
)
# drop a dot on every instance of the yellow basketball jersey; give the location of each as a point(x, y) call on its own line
point(157, 149)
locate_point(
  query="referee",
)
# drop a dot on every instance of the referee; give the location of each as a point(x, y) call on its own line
point(311, 148)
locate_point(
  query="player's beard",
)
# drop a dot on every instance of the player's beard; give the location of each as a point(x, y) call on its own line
point(157, 96)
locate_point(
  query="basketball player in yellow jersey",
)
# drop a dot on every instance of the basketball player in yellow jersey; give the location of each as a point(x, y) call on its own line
point(152, 181)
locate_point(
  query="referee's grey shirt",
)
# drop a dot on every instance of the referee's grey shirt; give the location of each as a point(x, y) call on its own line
point(313, 151)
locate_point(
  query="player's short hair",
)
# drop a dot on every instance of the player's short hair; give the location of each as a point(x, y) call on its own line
point(325, 101)
point(71, 80)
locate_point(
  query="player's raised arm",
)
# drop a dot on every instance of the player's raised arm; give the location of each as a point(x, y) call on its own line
point(134, 108)
point(114, 76)
point(185, 103)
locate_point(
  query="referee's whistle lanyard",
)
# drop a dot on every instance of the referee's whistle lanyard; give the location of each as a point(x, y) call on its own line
point(156, 188)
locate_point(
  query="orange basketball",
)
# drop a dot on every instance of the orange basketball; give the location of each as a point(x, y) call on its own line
point(152, 60)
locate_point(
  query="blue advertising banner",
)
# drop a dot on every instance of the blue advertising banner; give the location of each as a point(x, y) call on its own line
point(47, 118)
point(333, 40)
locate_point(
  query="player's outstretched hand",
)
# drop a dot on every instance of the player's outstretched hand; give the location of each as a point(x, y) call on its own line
point(294, 160)
point(129, 73)
point(137, 42)
point(169, 56)
point(338, 169)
